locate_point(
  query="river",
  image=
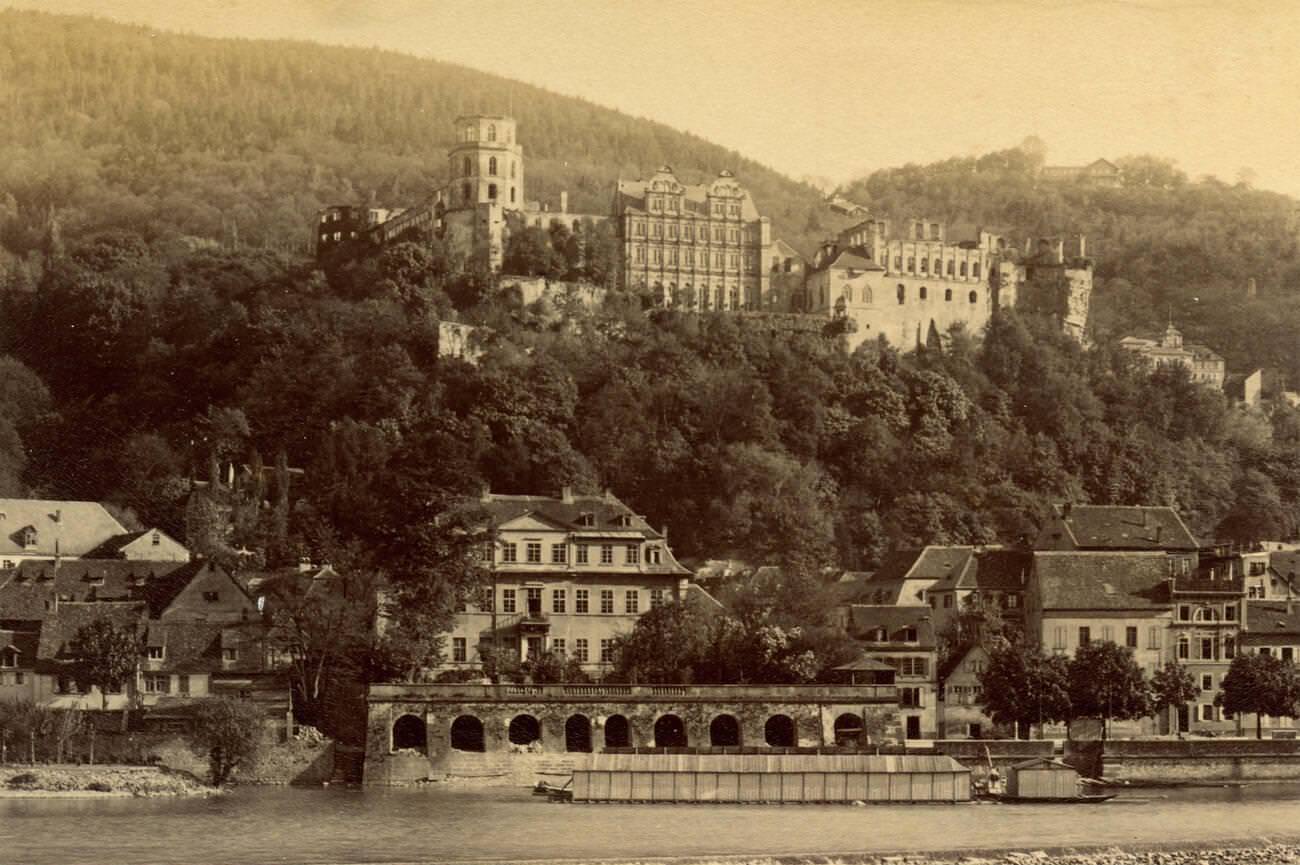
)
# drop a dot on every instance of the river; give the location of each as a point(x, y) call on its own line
point(258, 826)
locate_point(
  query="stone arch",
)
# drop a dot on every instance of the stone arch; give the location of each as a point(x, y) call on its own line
point(779, 732)
point(724, 732)
point(577, 734)
point(848, 729)
point(409, 732)
point(467, 734)
point(670, 732)
point(524, 730)
point(618, 732)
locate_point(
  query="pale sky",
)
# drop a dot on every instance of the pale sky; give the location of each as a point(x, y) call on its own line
point(836, 88)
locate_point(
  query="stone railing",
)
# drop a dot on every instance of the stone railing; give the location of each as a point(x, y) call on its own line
point(469, 692)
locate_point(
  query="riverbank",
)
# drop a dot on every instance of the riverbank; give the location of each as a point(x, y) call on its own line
point(19, 781)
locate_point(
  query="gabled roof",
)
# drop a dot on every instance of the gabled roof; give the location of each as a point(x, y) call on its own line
point(854, 258)
point(1116, 527)
point(114, 547)
point(631, 194)
point(62, 527)
point(25, 642)
point(57, 632)
point(904, 574)
point(863, 619)
point(29, 590)
point(990, 570)
point(865, 664)
point(1270, 618)
point(1102, 580)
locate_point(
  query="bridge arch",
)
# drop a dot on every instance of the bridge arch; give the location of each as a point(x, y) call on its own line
point(618, 732)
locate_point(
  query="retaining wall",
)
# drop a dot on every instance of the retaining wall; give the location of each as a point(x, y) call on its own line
point(1197, 760)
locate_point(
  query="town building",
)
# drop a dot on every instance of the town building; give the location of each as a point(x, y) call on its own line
point(904, 577)
point(693, 246)
point(989, 578)
point(1202, 363)
point(1114, 528)
point(43, 530)
point(1101, 172)
point(1271, 628)
point(902, 637)
point(1209, 607)
point(568, 575)
point(961, 712)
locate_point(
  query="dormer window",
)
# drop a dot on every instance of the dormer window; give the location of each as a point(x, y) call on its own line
point(156, 539)
point(586, 519)
point(909, 635)
point(211, 597)
point(29, 538)
point(9, 657)
point(625, 520)
point(154, 653)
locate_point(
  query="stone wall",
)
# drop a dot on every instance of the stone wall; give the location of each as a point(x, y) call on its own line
point(1201, 760)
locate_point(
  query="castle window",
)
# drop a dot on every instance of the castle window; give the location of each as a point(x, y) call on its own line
point(690, 257)
point(934, 231)
point(656, 230)
point(902, 293)
point(512, 195)
point(465, 192)
point(911, 264)
point(492, 167)
point(925, 266)
point(672, 256)
point(975, 270)
point(898, 262)
point(467, 167)
point(923, 292)
point(735, 297)
point(974, 297)
point(672, 232)
point(513, 168)
point(717, 235)
point(938, 268)
point(640, 253)
point(672, 205)
point(492, 191)
point(963, 268)
point(947, 294)
point(656, 205)
point(951, 266)
point(492, 132)
point(655, 255)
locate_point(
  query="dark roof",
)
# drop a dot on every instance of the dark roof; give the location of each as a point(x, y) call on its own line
point(863, 619)
point(26, 589)
point(112, 547)
point(161, 591)
point(854, 257)
point(26, 642)
point(605, 510)
point(1114, 527)
point(192, 647)
point(1285, 564)
point(1264, 618)
point(1102, 580)
point(865, 664)
point(59, 630)
point(990, 570)
point(897, 580)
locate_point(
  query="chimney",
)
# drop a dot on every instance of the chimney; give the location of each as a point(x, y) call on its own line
point(1065, 510)
point(609, 495)
point(566, 494)
point(58, 515)
point(564, 201)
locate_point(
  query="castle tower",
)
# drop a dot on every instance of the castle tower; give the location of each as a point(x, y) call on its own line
point(486, 165)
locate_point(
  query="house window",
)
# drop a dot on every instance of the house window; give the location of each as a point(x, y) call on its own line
point(559, 600)
point(156, 539)
point(947, 294)
point(632, 601)
point(580, 650)
point(8, 659)
point(157, 684)
point(924, 292)
point(211, 597)
point(1106, 635)
point(909, 635)
point(1085, 635)
point(184, 682)
point(607, 601)
point(653, 555)
point(1265, 650)
point(633, 555)
point(913, 666)
point(509, 552)
point(909, 698)
point(154, 653)
point(1288, 654)
point(508, 600)
point(974, 297)
point(1207, 682)
point(492, 167)
point(607, 554)
point(1013, 601)
point(533, 598)
point(559, 553)
point(975, 274)
point(947, 602)
point(458, 649)
point(1058, 638)
point(1131, 637)
point(1207, 648)
point(1207, 711)
point(656, 598)
point(1229, 647)
point(1230, 612)
point(558, 645)
point(583, 553)
point(1184, 649)
point(534, 552)
point(1184, 613)
point(230, 654)
point(606, 651)
point(581, 601)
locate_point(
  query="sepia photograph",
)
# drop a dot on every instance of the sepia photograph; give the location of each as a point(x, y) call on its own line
point(686, 432)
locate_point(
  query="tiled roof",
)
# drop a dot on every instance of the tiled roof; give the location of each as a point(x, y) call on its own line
point(990, 570)
point(1114, 527)
point(854, 257)
point(190, 647)
point(28, 590)
point(62, 528)
point(112, 547)
point(864, 619)
point(25, 641)
point(1102, 580)
point(695, 197)
point(1269, 618)
point(59, 630)
point(1285, 564)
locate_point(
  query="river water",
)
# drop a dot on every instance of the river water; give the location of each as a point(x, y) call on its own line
point(254, 826)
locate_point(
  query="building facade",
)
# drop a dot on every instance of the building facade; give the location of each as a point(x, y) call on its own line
point(1203, 364)
point(568, 575)
point(694, 247)
point(904, 638)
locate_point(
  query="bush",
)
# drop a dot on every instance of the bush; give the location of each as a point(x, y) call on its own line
point(230, 730)
point(25, 780)
point(99, 787)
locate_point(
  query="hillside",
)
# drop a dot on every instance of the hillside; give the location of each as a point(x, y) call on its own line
point(108, 124)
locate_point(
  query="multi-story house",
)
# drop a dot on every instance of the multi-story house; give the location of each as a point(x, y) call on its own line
point(1203, 364)
point(961, 712)
point(1271, 628)
point(695, 247)
point(1117, 528)
point(988, 578)
point(905, 577)
point(1209, 598)
point(1123, 597)
point(41, 530)
point(902, 637)
point(568, 575)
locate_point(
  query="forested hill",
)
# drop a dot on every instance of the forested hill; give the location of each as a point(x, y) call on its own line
point(1165, 245)
point(113, 125)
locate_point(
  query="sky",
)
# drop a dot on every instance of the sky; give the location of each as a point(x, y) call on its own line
point(837, 88)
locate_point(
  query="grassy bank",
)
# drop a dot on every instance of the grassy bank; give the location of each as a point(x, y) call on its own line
point(18, 780)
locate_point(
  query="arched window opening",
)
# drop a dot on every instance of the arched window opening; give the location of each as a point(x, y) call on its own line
point(492, 191)
point(778, 732)
point(923, 292)
point(524, 730)
point(618, 732)
point(492, 167)
point(902, 293)
point(466, 192)
point(513, 169)
point(670, 732)
point(577, 734)
point(848, 730)
point(974, 297)
point(724, 732)
point(467, 734)
point(492, 132)
point(512, 195)
point(947, 294)
point(467, 167)
point(409, 734)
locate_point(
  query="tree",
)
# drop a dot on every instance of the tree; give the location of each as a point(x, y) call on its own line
point(1023, 687)
point(665, 645)
point(1106, 683)
point(1172, 687)
point(67, 723)
point(1259, 684)
point(107, 657)
point(230, 730)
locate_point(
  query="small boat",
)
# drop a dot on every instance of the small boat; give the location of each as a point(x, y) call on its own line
point(1081, 799)
point(552, 792)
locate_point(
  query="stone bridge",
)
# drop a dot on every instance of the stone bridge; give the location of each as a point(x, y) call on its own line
point(513, 733)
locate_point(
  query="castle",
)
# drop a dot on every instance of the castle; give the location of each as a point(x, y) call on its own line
point(706, 247)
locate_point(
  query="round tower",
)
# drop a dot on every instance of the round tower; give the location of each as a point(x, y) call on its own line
point(486, 165)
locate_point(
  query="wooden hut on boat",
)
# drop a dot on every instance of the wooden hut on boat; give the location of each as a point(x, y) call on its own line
point(770, 778)
point(1042, 778)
